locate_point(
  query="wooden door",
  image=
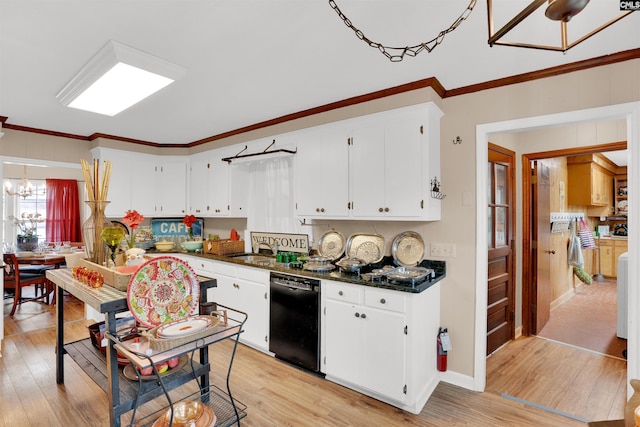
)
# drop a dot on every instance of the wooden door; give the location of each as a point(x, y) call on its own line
point(500, 210)
point(540, 246)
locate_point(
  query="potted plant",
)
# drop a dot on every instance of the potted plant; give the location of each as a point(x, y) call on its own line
point(27, 238)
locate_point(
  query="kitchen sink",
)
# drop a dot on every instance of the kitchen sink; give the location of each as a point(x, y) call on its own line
point(256, 259)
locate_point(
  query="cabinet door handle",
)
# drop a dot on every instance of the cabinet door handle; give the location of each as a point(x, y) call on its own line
point(364, 316)
point(383, 301)
point(386, 209)
point(380, 210)
point(552, 252)
point(340, 293)
point(357, 314)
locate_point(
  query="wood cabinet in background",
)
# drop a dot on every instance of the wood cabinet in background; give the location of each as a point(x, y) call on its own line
point(610, 251)
point(591, 184)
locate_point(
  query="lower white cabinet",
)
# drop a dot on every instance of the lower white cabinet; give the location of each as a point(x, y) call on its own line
point(366, 338)
point(381, 342)
point(245, 289)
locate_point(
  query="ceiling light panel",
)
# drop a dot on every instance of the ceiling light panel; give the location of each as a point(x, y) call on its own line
point(117, 77)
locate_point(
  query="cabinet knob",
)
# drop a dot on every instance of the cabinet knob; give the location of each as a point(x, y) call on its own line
point(364, 316)
point(380, 210)
point(340, 293)
point(321, 209)
point(552, 252)
point(357, 314)
point(386, 209)
point(317, 209)
point(383, 301)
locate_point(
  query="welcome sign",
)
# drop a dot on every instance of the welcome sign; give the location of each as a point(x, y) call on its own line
point(298, 243)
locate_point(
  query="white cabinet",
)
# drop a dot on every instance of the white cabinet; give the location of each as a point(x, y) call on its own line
point(322, 171)
point(170, 186)
point(218, 186)
point(393, 157)
point(239, 179)
point(365, 343)
point(245, 289)
point(132, 183)
point(198, 184)
point(209, 184)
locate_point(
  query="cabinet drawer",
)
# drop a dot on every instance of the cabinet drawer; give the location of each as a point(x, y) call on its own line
point(385, 300)
point(343, 292)
point(228, 269)
point(254, 274)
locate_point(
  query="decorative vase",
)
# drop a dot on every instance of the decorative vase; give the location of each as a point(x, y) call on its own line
point(92, 232)
point(27, 243)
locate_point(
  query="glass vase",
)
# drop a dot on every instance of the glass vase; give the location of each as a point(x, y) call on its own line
point(92, 232)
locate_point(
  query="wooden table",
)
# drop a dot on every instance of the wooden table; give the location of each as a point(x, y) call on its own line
point(47, 259)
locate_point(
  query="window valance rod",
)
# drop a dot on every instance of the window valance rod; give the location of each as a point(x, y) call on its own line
point(239, 155)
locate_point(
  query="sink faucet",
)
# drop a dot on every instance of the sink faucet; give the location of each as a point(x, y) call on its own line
point(273, 248)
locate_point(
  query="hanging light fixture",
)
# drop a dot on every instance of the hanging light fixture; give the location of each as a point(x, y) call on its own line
point(397, 54)
point(26, 189)
point(557, 10)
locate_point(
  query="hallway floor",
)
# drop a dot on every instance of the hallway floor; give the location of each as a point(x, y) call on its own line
point(588, 320)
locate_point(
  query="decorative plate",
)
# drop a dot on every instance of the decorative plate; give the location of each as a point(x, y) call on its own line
point(408, 248)
point(181, 328)
point(331, 245)
point(132, 374)
point(367, 247)
point(164, 289)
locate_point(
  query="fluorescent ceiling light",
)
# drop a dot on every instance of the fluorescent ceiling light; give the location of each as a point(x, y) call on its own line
point(116, 78)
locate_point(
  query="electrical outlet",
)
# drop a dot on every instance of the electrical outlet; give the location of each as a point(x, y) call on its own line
point(443, 250)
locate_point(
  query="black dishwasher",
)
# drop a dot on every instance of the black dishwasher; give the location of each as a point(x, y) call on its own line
point(294, 326)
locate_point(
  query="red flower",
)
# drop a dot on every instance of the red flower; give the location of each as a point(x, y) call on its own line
point(189, 220)
point(133, 219)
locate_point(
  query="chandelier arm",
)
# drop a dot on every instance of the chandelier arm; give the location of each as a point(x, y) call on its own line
point(401, 52)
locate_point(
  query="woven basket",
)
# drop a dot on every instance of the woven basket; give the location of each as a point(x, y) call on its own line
point(223, 247)
point(164, 344)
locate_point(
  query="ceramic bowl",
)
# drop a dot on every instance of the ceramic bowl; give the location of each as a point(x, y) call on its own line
point(164, 246)
point(192, 246)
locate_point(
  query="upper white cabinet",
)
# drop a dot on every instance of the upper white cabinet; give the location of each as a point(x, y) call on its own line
point(375, 167)
point(171, 186)
point(132, 183)
point(322, 173)
point(393, 158)
point(209, 185)
point(199, 184)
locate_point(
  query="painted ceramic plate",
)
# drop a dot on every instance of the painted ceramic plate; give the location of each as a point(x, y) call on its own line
point(163, 290)
point(181, 328)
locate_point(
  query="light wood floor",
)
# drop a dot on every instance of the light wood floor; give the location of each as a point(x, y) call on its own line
point(277, 394)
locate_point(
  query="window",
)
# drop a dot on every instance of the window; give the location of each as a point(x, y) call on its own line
point(15, 206)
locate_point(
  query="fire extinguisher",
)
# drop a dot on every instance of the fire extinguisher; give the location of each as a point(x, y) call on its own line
point(444, 345)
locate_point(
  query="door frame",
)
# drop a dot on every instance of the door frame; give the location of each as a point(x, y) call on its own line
point(528, 284)
point(629, 112)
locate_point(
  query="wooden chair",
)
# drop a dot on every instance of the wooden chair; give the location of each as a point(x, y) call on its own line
point(16, 280)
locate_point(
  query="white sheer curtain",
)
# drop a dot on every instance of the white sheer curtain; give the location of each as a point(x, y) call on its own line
point(271, 196)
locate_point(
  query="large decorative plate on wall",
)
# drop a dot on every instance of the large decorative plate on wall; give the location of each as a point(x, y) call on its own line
point(163, 290)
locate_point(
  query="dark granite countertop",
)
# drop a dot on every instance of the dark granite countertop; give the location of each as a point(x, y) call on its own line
point(439, 268)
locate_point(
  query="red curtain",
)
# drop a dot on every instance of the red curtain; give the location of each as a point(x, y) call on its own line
point(63, 211)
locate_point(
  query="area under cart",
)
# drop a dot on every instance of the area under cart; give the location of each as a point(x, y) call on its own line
point(125, 394)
